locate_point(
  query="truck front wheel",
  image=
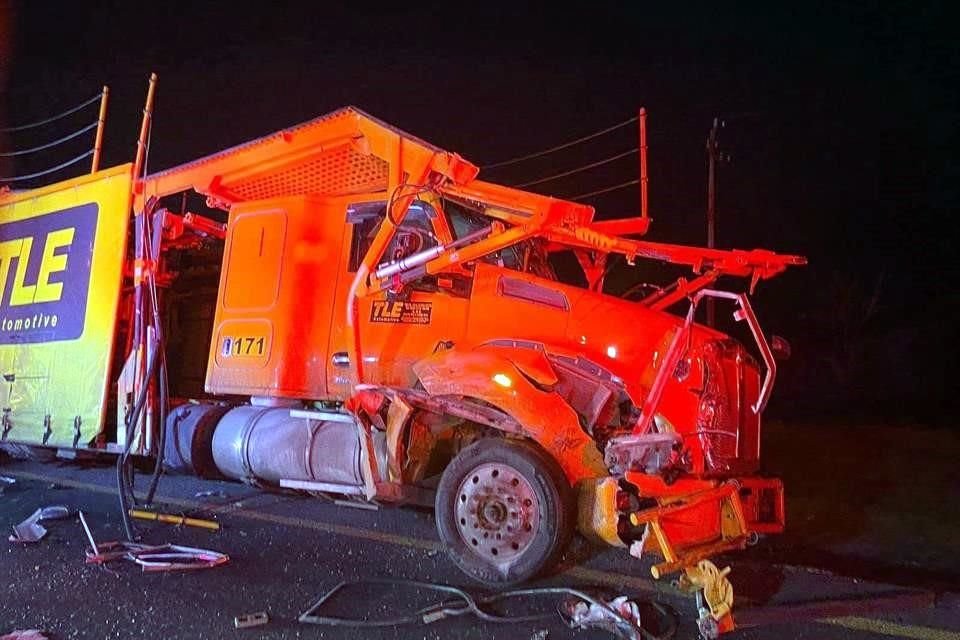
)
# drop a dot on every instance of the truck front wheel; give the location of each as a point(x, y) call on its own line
point(504, 511)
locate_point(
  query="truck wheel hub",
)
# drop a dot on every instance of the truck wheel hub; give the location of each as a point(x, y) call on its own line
point(494, 513)
point(497, 512)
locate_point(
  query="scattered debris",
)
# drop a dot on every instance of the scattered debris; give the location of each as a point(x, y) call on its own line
point(213, 525)
point(542, 634)
point(620, 616)
point(24, 634)
point(30, 530)
point(251, 620)
point(164, 557)
point(448, 607)
point(210, 493)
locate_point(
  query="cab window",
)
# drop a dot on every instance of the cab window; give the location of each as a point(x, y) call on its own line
point(414, 234)
point(529, 256)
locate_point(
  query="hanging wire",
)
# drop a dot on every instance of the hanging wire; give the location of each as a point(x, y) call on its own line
point(608, 189)
point(85, 154)
point(23, 152)
point(579, 169)
point(66, 113)
point(561, 146)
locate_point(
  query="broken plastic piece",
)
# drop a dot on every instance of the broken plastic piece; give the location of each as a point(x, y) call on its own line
point(251, 620)
point(30, 530)
point(620, 616)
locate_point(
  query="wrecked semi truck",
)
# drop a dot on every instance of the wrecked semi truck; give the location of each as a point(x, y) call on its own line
point(342, 308)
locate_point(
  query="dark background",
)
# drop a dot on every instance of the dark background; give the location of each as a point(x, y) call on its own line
point(840, 127)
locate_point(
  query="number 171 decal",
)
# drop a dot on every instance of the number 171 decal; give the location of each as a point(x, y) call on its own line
point(243, 346)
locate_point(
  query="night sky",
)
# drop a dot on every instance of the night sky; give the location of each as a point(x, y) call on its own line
point(841, 126)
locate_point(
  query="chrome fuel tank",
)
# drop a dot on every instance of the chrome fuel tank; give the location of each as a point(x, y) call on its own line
point(270, 444)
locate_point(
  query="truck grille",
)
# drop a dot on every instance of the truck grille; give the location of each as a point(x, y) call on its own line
point(728, 429)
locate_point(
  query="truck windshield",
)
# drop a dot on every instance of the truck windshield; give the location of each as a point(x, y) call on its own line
point(528, 256)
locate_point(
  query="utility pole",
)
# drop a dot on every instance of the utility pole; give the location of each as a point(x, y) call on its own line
point(642, 119)
point(713, 156)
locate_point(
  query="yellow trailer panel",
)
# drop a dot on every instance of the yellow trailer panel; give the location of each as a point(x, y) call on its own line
point(62, 249)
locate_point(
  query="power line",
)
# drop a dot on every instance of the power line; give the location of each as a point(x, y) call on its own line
point(23, 152)
point(628, 152)
point(85, 154)
point(560, 146)
point(599, 191)
point(66, 113)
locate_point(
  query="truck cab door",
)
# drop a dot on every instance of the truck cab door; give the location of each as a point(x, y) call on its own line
point(272, 318)
point(396, 328)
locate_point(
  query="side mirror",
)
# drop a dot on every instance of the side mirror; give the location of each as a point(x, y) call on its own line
point(780, 348)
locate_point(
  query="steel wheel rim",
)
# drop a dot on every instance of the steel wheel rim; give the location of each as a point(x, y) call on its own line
point(497, 512)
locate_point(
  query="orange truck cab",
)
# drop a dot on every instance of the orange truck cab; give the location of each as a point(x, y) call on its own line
point(389, 327)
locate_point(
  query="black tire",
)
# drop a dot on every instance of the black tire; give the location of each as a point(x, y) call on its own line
point(507, 542)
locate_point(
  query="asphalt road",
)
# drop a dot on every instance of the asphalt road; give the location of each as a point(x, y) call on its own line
point(286, 550)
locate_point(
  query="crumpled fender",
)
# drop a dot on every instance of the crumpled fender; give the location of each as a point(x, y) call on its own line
point(519, 383)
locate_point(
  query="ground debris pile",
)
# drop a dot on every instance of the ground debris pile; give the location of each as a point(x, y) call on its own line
point(619, 616)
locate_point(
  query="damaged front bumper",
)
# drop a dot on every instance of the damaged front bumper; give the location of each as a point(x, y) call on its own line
point(683, 524)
